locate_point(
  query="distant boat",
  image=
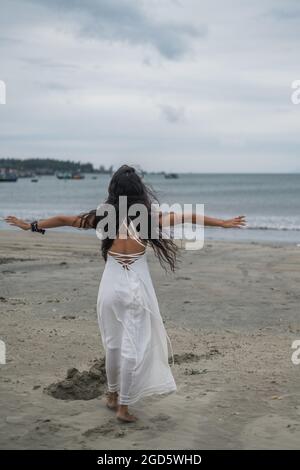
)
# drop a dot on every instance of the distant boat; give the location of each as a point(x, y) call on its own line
point(25, 174)
point(70, 176)
point(34, 180)
point(170, 176)
point(8, 177)
point(77, 176)
point(64, 176)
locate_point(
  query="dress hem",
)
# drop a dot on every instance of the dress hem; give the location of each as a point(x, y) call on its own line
point(150, 391)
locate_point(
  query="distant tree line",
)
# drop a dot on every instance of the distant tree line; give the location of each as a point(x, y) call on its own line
point(46, 165)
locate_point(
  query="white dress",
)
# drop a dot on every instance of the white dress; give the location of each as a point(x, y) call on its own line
point(132, 330)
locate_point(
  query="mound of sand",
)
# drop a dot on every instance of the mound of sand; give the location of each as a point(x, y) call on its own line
point(77, 385)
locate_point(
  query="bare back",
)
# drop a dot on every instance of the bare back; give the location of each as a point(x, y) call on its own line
point(131, 245)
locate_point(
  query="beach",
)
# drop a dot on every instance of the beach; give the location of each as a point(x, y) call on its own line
point(231, 311)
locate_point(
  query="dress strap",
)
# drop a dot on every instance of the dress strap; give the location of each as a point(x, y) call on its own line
point(129, 258)
point(126, 258)
point(132, 232)
point(140, 253)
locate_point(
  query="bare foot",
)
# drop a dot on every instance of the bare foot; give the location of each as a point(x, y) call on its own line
point(112, 401)
point(126, 417)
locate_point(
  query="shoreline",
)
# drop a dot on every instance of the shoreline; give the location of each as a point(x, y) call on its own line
point(208, 239)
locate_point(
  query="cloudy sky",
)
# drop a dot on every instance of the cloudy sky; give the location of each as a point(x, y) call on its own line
point(174, 85)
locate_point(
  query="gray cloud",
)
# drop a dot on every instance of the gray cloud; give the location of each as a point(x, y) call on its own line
point(172, 114)
point(54, 86)
point(6, 40)
point(290, 11)
point(126, 20)
point(47, 63)
point(93, 81)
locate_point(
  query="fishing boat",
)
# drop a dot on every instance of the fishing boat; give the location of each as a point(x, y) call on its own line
point(64, 176)
point(78, 176)
point(8, 177)
point(170, 176)
point(70, 176)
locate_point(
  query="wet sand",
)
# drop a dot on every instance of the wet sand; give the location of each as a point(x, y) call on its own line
point(231, 311)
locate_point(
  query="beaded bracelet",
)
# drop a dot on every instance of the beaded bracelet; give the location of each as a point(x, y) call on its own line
point(34, 227)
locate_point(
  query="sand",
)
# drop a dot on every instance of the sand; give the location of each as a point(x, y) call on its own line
point(231, 310)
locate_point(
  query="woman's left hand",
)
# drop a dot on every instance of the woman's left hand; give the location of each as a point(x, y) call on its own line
point(237, 222)
point(11, 220)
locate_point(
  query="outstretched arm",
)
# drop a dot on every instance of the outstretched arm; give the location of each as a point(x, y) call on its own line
point(236, 222)
point(51, 222)
point(176, 219)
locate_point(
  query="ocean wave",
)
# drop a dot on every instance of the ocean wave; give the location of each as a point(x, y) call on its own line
point(272, 227)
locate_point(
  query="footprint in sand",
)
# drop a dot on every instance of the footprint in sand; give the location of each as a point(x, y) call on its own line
point(191, 357)
point(186, 357)
point(107, 429)
point(160, 417)
point(163, 422)
point(46, 426)
point(114, 429)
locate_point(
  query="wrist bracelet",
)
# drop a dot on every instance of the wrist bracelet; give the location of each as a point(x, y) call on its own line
point(34, 227)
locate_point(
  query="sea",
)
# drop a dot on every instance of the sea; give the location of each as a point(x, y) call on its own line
point(270, 202)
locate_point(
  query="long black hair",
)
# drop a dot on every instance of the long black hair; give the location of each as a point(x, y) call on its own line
point(127, 182)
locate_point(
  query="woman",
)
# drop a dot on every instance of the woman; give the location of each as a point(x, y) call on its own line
point(132, 330)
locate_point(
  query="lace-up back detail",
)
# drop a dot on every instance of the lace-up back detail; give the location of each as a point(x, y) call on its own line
point(126, 259)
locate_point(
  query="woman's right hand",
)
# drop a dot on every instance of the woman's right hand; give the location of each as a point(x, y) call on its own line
point(12, 220)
